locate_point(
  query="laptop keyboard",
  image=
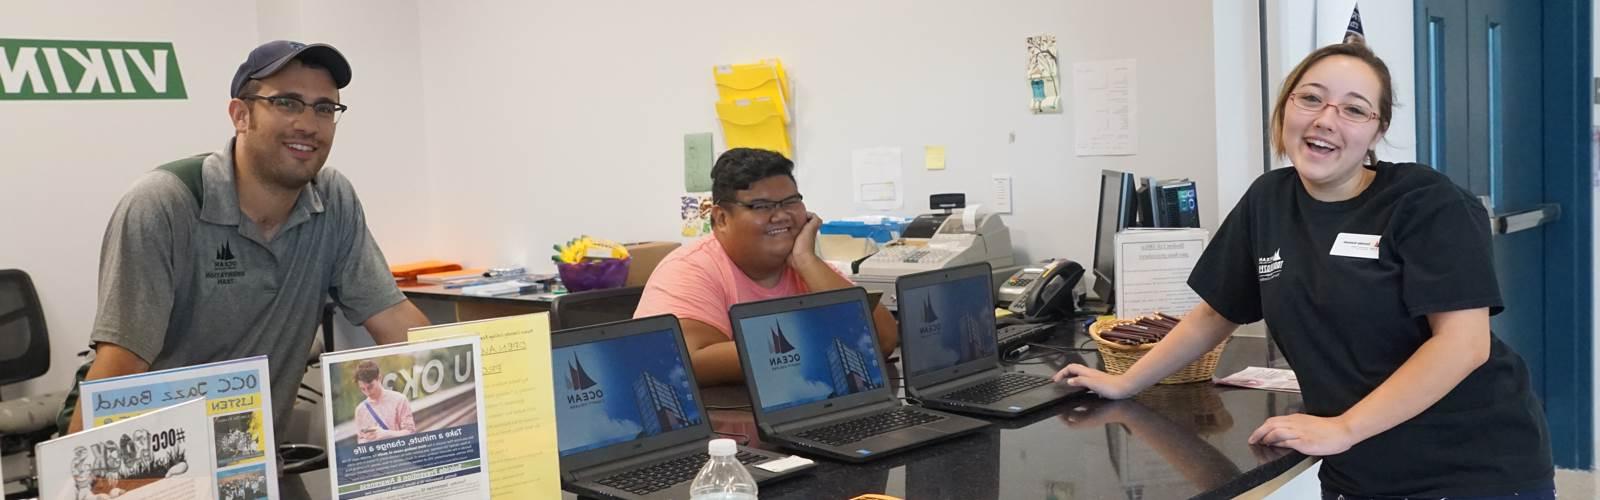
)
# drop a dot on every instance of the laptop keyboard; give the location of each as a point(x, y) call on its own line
point(997, 388)
point(852, 431)
point(663, 475)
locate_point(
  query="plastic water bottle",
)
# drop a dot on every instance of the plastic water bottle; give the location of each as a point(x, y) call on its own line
point(723, 477)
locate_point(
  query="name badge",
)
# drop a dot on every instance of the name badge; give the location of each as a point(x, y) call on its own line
point(1360, 246)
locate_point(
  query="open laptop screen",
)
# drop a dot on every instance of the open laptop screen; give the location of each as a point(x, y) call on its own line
point(621, 389)
point(811, 354)
point(946, 324)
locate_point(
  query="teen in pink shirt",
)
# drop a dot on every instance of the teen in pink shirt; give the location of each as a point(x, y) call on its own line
point(763, 246)
point(383, 414)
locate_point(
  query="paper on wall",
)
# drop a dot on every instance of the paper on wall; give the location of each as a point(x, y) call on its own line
point(877, 178)
point(694, 211)
point(933, 157)
point(697, 162)
point(1044, 75)
point(1000, 193)
point(1105, 108)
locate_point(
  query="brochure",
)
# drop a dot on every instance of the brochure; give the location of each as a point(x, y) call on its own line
point(163, 454)
point(238, 400)
point(406, 421)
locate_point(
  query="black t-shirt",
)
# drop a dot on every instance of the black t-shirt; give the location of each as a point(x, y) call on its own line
point(1346, 323)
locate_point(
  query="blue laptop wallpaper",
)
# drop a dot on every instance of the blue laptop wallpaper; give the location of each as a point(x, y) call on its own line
point(812, 354)
point(617, 390)
point(946, 324)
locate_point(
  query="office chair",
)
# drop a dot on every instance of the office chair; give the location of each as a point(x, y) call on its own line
point(22, 329)
point(593, 307)
point(24, 421)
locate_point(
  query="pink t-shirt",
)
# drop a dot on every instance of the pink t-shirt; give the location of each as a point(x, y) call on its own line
point(699, 281)
point(394, 409)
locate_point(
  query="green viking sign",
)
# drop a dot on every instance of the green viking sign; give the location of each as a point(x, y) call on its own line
point(77, 69)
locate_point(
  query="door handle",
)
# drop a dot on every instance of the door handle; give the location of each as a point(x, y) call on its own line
point(1524, 219)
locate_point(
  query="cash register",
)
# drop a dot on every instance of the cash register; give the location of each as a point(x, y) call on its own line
point(948, 238)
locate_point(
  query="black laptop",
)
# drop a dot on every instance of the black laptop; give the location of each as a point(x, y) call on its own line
point(949, 351)
point(817, 383)
point(629, 421)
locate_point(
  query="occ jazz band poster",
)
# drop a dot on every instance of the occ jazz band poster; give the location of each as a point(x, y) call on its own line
point(238, 404)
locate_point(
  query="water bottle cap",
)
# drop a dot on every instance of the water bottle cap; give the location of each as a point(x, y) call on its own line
point(722, 448)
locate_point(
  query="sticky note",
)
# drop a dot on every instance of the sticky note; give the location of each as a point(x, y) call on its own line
point(934, 157)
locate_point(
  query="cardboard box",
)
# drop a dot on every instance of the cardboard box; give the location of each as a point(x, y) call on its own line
point(646, 256)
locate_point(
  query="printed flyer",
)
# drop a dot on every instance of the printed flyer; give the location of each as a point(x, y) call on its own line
point(238, 396)
point(406, 421)
point(163, 454)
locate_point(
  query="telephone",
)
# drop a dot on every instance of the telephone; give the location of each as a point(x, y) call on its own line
point(1052, 292)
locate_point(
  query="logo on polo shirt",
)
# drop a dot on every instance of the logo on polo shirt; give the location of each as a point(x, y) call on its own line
point(1268, 268)
point(225, 268)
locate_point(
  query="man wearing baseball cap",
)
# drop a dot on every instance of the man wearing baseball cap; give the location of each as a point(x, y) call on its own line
point(233, 253)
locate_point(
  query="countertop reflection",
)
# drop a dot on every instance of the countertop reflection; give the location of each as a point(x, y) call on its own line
point(1171, 441)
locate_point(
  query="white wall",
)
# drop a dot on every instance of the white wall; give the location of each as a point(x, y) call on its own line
point(69, 162)
point(561, 118)
point(380, 144)
point(1237, 50)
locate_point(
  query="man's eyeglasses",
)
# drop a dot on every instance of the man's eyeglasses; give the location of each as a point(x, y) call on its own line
point(767, 207)
point(1352, 112)
point(293, 106)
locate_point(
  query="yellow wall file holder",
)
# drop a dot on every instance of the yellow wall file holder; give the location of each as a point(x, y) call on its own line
point(754, 123)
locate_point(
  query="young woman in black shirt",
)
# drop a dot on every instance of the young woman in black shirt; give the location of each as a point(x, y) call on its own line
point(1377, 281)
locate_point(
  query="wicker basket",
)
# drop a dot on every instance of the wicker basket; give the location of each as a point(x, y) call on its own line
point(1119, 357)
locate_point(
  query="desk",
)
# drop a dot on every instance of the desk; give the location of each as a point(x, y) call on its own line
point(1169, 442)
point(437, 300)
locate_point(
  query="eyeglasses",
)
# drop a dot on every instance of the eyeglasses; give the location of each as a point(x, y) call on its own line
point(293, 106)
point(765, 208)
point(1354, 113)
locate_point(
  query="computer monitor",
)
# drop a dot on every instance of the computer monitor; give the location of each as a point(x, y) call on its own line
point(1168, 203)
point(1117, 211)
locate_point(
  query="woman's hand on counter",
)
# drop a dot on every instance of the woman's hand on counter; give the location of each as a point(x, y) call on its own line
point(1106, 385)
point(1315, 436)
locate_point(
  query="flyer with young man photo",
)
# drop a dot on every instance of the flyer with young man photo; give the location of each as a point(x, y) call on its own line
point(406, 421)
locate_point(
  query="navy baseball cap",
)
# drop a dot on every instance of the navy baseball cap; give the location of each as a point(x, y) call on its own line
point(272, 56)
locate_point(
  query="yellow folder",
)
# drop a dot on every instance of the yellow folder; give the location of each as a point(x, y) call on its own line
point(754, 123)
point(754, 81)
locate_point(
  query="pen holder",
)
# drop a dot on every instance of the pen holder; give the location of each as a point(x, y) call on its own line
point(1119, 357)
point(593, 274)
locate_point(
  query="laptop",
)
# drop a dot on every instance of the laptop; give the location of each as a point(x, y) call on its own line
point(629, 420)
point(949, 350)
point(817, 383)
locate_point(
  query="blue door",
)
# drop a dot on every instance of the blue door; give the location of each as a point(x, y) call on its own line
point(1482, 82)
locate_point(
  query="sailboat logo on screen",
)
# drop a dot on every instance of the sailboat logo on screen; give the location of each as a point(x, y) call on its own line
point(582, 389)
point(780, 353)
point(930, 319)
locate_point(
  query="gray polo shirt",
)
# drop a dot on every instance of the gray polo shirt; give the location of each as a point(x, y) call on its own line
point(182, 284)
